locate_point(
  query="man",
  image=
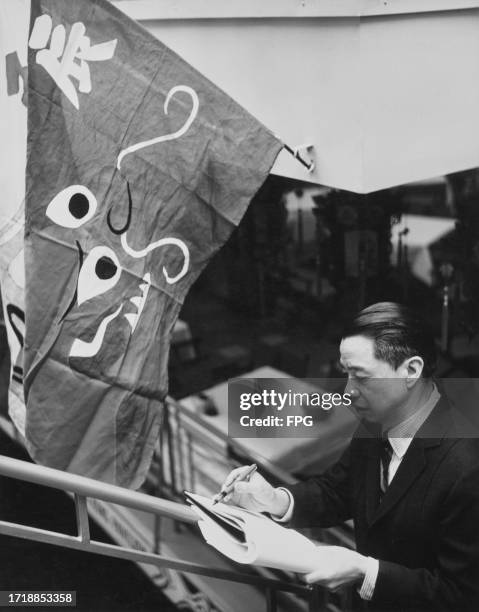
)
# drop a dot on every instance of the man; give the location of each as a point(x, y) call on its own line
point(408, 481)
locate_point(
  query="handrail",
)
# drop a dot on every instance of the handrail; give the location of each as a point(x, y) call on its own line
point(87, 487)
point(84, 488)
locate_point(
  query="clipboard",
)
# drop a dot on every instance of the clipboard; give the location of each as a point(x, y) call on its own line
point(226, 523)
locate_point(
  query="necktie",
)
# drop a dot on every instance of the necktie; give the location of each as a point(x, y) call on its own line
point(386, 453)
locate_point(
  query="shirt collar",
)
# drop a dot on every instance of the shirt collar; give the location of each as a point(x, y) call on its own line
point(401, 435)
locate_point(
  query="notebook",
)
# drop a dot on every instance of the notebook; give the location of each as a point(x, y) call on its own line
point(253, 538)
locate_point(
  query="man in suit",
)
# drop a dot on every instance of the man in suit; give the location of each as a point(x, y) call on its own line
point(409, 478)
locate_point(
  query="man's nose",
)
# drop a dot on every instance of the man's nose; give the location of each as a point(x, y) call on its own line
point(350, 388)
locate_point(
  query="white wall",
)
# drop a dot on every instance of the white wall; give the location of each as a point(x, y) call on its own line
point(384, 99)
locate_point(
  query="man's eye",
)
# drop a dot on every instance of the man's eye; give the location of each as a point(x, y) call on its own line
point(72, 207)
point(356, 377)
point(361, 378)
point(100, 272)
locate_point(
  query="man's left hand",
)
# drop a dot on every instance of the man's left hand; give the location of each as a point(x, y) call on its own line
point(337, 567)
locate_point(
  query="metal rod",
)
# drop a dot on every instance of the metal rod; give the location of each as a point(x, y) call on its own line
point(83, 524)
point(157, 517)
point(171, 446)
point(316, 603)
point(111, 550)
point(14, 468)
point(179, 445)
point(270, 600)
point(295, 154)
point(191, 465)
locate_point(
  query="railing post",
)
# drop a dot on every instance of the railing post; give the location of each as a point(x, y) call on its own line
point(83, 525)
point(171, 448)
point(270, 599)
point(157, 519)
point(180, 444)
point(191, 467)
point(316, 600)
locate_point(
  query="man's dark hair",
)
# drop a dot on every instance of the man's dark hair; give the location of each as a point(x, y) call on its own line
point(398, 333)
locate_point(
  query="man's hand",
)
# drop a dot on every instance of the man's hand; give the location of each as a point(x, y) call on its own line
point(337, 567)
point(255, 494)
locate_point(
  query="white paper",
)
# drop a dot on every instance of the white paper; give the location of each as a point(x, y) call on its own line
point(267, 543)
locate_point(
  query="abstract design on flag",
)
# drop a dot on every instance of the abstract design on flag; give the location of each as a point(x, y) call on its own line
point(130, 191)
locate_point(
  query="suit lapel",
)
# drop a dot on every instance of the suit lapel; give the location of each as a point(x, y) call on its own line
point(415, 460)
point(412, 465)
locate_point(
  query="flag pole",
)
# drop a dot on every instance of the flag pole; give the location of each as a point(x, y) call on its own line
point(295, 153)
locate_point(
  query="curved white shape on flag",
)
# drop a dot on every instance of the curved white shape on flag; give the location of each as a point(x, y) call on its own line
point(146, 143)
point(80, 348)
point(155, 245)
point(139, 302)
point(90, 284)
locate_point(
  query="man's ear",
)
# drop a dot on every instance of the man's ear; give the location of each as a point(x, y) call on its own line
point(413, 367)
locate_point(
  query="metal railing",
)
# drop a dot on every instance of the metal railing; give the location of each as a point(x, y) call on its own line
point(85, 488)
point(183, 433)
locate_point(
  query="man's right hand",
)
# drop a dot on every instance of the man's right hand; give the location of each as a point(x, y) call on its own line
point(255, 494)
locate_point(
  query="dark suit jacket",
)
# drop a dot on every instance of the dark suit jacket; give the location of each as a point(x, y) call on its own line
point(425, 531)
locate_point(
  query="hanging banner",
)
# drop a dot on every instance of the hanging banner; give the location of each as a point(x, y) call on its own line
point(138, 169)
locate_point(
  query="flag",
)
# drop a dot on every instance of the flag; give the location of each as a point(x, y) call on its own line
point(138, 169)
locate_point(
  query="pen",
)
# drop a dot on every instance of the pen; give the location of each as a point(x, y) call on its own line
point(245, 476)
